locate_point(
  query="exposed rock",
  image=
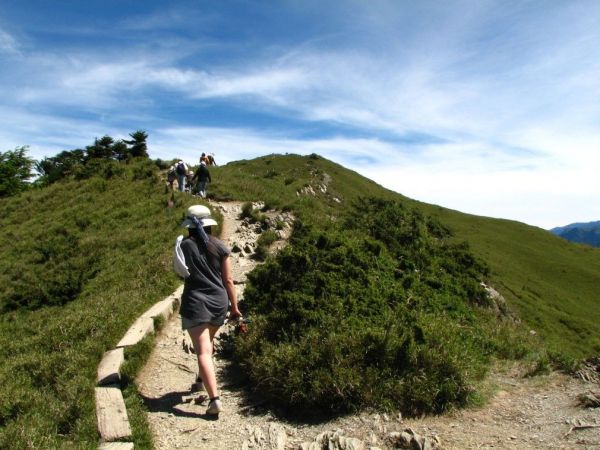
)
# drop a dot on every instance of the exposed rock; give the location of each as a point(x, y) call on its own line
point(590, 370)
point(186, 344)
point(409, 439)
point(258, 436)
point(334, 440)
point(277, 437)
point(498, 302)
point(589, 399)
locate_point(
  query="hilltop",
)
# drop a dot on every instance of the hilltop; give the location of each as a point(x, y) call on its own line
point(82, 258)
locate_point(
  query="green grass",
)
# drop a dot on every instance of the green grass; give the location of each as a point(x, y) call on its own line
point(551, 283)
point(119, 235)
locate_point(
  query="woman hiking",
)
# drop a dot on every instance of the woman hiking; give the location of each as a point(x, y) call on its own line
point(207, 294)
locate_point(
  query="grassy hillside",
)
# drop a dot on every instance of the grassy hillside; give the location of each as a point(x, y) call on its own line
point(79, 261)
point(552, 284)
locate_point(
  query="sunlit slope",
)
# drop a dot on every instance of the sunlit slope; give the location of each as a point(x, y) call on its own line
point(553, 285)
point(80, 260)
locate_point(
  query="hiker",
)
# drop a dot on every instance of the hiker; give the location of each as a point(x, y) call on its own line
point(181, 170)
point(204, 158)
point(189, 186)
point(202, 176)
point(207, 294)
point(211, 160)
point(171, 175)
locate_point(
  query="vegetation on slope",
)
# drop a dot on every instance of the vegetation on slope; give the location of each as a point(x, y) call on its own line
point(381, 311)
point(551, 284)
point(82, 258)
point(79, 261)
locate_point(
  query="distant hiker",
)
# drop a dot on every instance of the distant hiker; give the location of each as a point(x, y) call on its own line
point(207, 294)
point(181, 170)
point(211, 159)
point(189, 177)
point(202, 176)
point(171, 175)
point(204, 159)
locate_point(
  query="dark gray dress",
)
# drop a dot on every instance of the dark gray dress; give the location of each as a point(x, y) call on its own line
point(204, 298)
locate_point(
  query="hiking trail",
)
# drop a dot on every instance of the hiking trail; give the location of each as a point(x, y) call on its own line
point(524, 413)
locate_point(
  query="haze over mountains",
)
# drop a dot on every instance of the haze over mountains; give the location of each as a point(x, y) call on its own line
point(584, 233)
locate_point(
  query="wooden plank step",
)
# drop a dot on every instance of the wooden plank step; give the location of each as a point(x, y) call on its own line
point(111, 413)
point(163, 308)
point(109, 370)
point(116, 446)
point(138, 331)
point(178, 291)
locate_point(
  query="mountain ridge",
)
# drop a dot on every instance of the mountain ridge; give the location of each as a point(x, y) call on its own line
point(580, 232)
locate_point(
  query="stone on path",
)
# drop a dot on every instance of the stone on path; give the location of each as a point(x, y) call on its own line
point(277, 437)
point(112, 418)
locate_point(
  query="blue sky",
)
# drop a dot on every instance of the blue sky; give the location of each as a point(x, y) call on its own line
point(487, 107)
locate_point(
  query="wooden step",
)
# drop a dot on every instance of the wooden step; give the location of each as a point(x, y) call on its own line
point(109, 370)
point(138, 331)
point(111, 413)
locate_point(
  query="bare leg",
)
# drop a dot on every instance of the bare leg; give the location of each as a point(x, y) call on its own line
point(202, 338)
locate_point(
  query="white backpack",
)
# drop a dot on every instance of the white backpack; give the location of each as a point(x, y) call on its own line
point(179, 265)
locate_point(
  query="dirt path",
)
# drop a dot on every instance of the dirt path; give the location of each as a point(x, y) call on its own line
point(525, 413)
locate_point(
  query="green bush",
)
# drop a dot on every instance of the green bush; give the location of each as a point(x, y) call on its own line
point(264, 242)
point(377, 313)
point(247, 210)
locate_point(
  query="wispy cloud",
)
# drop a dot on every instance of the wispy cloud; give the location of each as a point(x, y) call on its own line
point(475, 95)
point(8, 44)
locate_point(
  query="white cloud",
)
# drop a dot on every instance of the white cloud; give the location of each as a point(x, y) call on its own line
point(8, 44)
point(469, 105)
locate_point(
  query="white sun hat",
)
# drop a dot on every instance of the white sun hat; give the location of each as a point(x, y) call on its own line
point(202, 213)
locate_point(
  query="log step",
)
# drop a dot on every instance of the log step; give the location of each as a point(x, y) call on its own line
point(138, 331)
point(109, 370)
point(111, 413)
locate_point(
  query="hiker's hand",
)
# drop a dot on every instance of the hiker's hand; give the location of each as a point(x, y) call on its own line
point(235, 315)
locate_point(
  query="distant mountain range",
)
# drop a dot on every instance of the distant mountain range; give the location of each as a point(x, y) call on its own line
point(584, 233)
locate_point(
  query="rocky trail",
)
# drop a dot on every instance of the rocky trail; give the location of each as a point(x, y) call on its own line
point(524, 413)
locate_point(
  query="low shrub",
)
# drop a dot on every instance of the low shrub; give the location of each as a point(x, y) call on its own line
point(264, 242)
point(379, 313)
